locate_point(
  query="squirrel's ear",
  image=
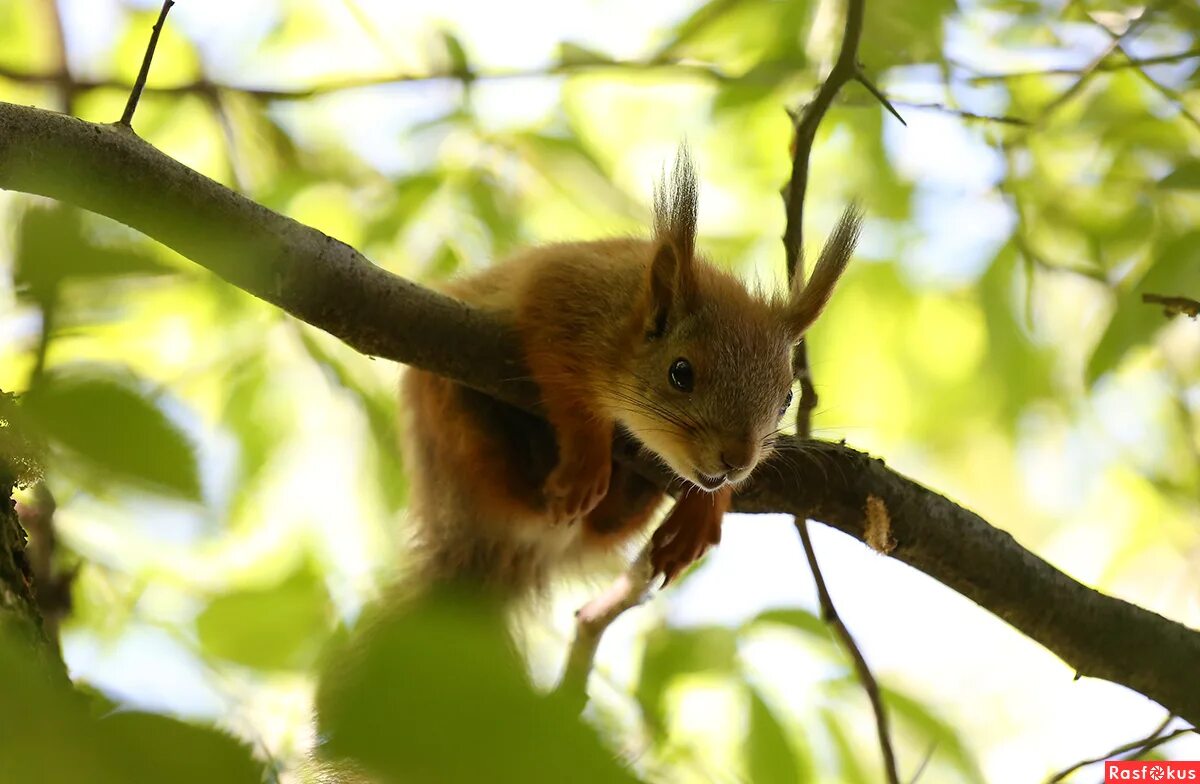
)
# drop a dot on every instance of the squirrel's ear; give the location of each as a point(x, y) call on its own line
point(807, 301)
point(670, 286)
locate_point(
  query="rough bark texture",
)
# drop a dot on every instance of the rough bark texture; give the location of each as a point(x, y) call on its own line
point(20, 620)
point(330, 285)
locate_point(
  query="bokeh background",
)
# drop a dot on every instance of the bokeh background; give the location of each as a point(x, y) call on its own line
point(232, 496)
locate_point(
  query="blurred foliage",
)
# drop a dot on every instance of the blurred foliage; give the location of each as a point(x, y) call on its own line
point(434, 691)
point(228, 481)
point(50, 732)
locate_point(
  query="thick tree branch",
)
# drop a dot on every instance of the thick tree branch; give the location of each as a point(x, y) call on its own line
point(330, 285)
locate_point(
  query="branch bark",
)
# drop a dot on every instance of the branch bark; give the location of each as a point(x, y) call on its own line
point(331, 286)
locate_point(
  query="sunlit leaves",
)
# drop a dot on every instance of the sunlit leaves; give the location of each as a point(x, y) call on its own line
point(433, 691)
point(1185, 177)
point(53, 247)
point(571, 54)
point(377, 404)
point(278, 627)
point(106, 422)
point(770, 755)
point(897, 32)
point(846, 752)
point(740, 34)
point(672, 652)
point(1176, 268)
point(50, 733)
point(937, 734)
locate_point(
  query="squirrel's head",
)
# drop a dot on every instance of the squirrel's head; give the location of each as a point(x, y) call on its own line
point(710, 376)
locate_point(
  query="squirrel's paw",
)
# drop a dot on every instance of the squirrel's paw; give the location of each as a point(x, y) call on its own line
point(680, 541)
point(576, 487)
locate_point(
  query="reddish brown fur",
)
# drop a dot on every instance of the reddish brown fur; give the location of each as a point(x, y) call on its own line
point(600, 323)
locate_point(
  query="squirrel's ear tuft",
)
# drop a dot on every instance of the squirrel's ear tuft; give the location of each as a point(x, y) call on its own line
point(675, 212)
point(676, 206)
point(807, 301)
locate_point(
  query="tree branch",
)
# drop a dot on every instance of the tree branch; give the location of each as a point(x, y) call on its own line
point(594, 618)
point(1172, 305)
point(845, 69)
point(1104, 65)
point(330, 285)
point(1138, 747)
point(140, 82)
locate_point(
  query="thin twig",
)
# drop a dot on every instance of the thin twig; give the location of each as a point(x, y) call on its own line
point(845, 69)
point(1171, 94)
point(1107, 65)
point(208, 89)
point(924, 763)
point(1139, 747)
point(879, 96)
point(830, 615)
point(1173, 306)
point(1092, 67)
point(704, 71)
point(140, 83)
point(594, 618)
point(933, 106)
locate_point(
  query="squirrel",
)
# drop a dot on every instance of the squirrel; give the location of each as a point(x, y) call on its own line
point(642, 335)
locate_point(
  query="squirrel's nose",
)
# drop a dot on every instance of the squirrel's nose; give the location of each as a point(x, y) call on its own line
point(738, 457)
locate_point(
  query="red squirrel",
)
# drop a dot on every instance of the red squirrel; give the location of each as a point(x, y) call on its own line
point(644, 335)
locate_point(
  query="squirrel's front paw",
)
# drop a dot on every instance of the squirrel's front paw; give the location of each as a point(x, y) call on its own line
point(576, 486)
point(681, 539)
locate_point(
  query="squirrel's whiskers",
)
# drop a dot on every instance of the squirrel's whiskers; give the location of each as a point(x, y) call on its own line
point(641, 335)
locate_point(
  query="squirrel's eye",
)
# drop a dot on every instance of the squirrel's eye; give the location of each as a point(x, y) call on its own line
point(680, 375)
point(787, 402)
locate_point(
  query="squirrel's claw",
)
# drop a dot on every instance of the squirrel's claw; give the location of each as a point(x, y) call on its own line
point(576, 487)
point(683, 538)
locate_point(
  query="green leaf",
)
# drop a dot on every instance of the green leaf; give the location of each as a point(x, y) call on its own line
point(494, 208)
point(940, 734)
point(104, 418)
point(574, 54)
point(899, 32)
point(456, 54)
point(283, 627)
point(740, 34)
point(701, 19)
point(849, 765)
point(256, 418)
point(1176, 272)
point(434, 691)
point(795, 618)
point(160, 749)
point(770, 755)
point(409, 197)
point(674, 652)
point(48, 735)
point(1022, 369)
point(378, 406)
point(1186, 177)
point(53, 246)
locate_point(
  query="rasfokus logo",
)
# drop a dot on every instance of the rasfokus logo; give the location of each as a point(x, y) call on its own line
point(1138, 770)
